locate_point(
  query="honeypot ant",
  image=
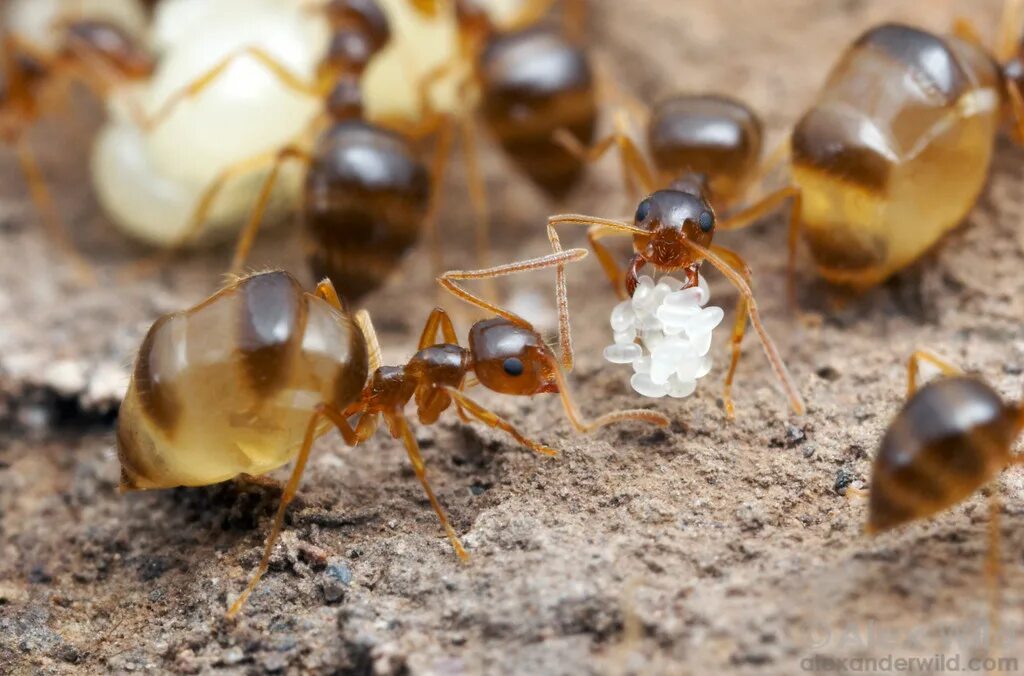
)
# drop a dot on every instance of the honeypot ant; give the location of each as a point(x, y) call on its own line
point(367, 194)
point(897, 148)
point(96, 52)
point(246, 380)
point(952, 436)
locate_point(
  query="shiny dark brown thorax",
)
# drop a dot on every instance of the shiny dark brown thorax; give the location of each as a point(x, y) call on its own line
point(424, 378)
point(713, 136)
point(951, 437)
point(366, 195)
point(535, 82)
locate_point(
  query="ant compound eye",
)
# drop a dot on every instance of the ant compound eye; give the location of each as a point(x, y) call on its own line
point(643, 211)
point(706, 221)
point(513, 366)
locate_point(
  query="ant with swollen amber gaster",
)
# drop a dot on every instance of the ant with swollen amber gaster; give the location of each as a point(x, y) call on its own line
point(97, 52)
point(245, 381)
point(706, 150)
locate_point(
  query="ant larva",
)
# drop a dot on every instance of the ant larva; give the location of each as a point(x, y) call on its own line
point(53, 52)
point(953, 436)
point(246, 380)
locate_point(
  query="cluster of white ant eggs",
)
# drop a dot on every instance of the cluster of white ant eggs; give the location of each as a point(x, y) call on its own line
point(664, 331)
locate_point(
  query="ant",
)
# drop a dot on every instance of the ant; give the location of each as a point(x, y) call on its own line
point(96, 52)
point(358, 222)
point(893, 154)
point(711, 145)
point(896, 150)
point(246, 380)
point(952, 436)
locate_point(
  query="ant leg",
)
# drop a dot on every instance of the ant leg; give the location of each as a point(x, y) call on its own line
point(252, 226)
point(492, 419)
point(477, 195)
point(738, 281)
point(739, 328)
point(636, 173)
point(365, 324)
point(765, 206)
point(561, 291)
point(1008, 35)
point(914, 367)
point(558, 259)
point(400, 426)
point(438, 319)
point(584, 426)
point(200, 214)
point(286, 497)
point(994, 566)
point(611, 267)
point(283, 74)
point(52, 222)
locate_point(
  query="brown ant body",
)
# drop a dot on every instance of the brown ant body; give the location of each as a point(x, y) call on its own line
point(247, 380)
point(367, 192)
point(96, 52)
point(953, 436)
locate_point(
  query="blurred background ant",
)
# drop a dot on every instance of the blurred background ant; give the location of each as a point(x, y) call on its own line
point(952, 437)
point(45, 47)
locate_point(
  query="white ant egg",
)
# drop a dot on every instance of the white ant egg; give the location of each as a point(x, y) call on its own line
point(664, 331)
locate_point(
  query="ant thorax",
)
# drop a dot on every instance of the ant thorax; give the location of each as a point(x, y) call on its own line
point(664, 331)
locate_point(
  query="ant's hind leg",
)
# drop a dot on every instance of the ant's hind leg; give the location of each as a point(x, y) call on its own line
point(399, 425)
point(945, 366)
point(52, 221)
point(252, 226)
point(290, 490)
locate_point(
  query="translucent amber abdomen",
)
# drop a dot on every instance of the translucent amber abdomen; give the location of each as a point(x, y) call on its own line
point(228, 387)
point(895, 151)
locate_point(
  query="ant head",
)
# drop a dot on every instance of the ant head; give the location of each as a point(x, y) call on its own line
point(672, 216)
point(512, 359)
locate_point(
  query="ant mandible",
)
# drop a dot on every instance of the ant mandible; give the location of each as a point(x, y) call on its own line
point(214, 390)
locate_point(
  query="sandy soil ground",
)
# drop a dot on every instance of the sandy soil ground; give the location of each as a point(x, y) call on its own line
point(709, 547)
